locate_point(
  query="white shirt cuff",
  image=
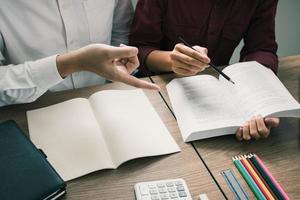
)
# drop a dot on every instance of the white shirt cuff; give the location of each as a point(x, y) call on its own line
point(44, 72)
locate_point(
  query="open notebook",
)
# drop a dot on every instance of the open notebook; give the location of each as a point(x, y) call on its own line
point(82, 135)
point(207, 107)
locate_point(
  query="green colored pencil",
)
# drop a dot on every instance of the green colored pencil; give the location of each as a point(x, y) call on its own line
point(259, 195)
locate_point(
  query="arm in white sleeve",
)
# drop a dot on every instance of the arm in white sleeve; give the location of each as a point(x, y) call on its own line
point(26, 82)
point(123, 14)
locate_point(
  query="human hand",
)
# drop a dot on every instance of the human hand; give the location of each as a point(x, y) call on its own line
point(186, 61)
point(258, 127)
point(112, 63)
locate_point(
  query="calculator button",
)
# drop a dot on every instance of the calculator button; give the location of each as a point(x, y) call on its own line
point(180, 188)
point(160, 185)
point(164, 196)
point(155, 197)
point(153, 191)
point(175, 189)
point(172, 189)
point(151, 186)
point(162, 190)
point(173, 195)
point(177, 183)
point(143, 190)
point(170, 184)
point(182, 194)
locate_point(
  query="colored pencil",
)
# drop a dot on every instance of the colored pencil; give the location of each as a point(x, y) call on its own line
point(260, 176)
point(266, 177)
point(277, 189)
point(259, 195)
point(257, 180)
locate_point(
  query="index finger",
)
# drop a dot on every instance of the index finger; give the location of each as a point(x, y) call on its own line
point(262, 129)
point(192, 53)
point(272, 121)
point(133, 81)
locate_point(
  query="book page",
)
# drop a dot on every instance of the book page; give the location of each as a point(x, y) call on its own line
point(131, 126)
point(201, 104)
point(259, 91)
point(70, 136)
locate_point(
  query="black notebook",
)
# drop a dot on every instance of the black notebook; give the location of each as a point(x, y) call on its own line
point(24, 171)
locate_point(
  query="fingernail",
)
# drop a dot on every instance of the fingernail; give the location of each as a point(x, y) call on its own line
point(268, 120)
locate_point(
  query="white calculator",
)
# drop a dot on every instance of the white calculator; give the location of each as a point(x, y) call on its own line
point(170, 189)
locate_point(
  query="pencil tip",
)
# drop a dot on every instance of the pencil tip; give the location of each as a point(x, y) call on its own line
point(232, 82)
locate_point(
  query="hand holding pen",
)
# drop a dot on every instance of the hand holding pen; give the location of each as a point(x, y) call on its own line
point(190, 53)
point(187, 61)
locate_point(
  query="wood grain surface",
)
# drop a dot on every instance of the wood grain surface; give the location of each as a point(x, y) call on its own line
point(119, 183)
point(280, 152)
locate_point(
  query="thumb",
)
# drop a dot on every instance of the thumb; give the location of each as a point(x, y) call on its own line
point(123, 52)
point(272, 122)
point(133, 81)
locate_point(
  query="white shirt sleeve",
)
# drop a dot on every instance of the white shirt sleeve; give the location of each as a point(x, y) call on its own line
point(26, 82)
point(123, 15)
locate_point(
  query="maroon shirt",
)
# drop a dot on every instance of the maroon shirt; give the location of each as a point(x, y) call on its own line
point(218, 25)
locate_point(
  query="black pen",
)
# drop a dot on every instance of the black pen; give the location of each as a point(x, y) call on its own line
point(211, 64)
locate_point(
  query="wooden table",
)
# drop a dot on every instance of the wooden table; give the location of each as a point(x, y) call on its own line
point(119, 183)
point(280, 152)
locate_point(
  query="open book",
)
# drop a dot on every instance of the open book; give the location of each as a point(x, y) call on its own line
point(81, 135)
point(207, 107)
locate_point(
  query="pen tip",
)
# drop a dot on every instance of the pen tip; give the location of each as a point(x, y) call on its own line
point(232, 82)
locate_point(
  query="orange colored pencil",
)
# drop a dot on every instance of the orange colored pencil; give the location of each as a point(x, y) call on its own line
point(260, 176)
point(257, 180)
